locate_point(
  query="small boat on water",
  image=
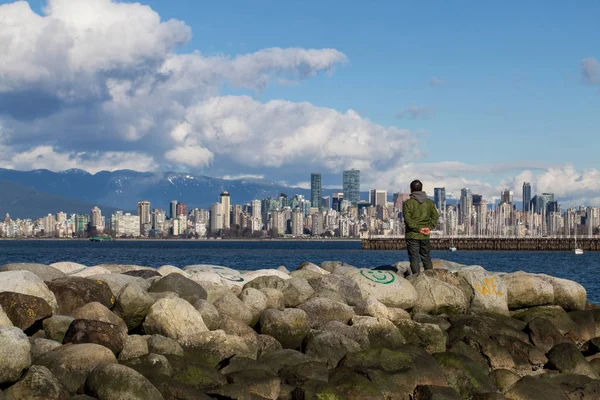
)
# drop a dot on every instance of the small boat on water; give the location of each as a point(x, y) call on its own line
point(577, 249)
point(101, 239)
point(452, 248)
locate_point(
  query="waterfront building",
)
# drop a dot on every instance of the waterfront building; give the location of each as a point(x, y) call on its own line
point(216, 217)
point(336, 202)
point(96, 221)
point(439, 198)
point(255, 206)
point(506, 196)
point(173, 209)
point(145, 218)
point(236, 215)
point(526, 196)
point(315, 190)
point(125, 225)
point(226, 203)
point(351, 186)
point(180, 209)
point(378, 197)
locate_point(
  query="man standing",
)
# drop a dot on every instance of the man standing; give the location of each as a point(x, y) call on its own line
point(420, 217)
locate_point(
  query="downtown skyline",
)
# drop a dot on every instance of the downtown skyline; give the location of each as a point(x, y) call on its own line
point(449, 95)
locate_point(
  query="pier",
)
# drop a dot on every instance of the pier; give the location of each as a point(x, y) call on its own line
point(487, 243)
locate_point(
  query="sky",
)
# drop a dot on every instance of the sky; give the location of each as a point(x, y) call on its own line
point(483, 95)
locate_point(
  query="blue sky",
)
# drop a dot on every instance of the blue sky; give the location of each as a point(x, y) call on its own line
point(491, 93)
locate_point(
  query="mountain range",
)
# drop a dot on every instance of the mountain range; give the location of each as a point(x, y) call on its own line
point(32, 194)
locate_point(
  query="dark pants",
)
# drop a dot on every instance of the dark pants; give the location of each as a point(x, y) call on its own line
point(418, 248)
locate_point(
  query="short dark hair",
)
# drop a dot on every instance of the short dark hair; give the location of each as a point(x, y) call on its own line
point(416, 186)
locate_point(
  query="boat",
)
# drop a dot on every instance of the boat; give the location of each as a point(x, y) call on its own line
point(452, 247)
point(101, 239)
point(577, 249)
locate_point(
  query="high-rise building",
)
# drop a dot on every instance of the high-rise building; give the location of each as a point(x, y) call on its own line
point(96, 221)
point(506, 196)
point(173, 209)
point(526, 196)
point(180, 209)
point(351, 186)
point(477, 199)
point(144, 212)
point(439, 198)
point(336, 202)
point(399, 199)
point(466, 204)
point(236, 215)
point(297, 222)
point(226, 203)
point(216, 217)
point(315, 190)
point(378, 197)
point(256, 209)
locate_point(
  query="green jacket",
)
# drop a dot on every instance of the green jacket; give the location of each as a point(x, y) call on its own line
point(419, 212)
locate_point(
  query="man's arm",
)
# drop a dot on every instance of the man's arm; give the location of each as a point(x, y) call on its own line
point(408, 217)
point(434, 217)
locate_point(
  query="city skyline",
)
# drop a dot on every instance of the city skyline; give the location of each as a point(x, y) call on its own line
point(448, 95)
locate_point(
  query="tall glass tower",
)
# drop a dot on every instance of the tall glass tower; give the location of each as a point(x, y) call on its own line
point(439, 198)
point(526, 196)
point(315, 190)
point(352, 186)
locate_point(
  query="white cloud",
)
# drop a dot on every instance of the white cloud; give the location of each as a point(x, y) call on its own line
point(590, 69)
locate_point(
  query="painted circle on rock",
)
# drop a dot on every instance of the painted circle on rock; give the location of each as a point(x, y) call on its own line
point(230, 277)
point(382, 277)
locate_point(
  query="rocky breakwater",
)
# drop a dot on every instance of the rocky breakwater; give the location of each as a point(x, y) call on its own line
point(319, 332)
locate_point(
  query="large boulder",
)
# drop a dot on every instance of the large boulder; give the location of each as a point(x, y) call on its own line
point(289, 326)
point(543, 334)
point(90, 271)
point(267, 281)
point(351, 332)
point(56, 326)
point(256, 301)
point(121, 268)
point(4, 320)
point(308, 266)
point(42, 346)
point(210, 314)
point(38, 383)
point(98, 312)
point(25, 311)
point(435, 296)
point(429, 336)
point(252, 275)
point(464, 375)
point(44, 272)
point(174, 318)
point(296, 291)
point(555, 314)
point(340, 284)
point(260, 382)
point(568, 294)
point(484, 291)
point(28, 283)
point(387, 287)
point(231, 306)
point(274, 298)
point(74, 292)
point(135, 346)
point(159, 344)
point(117, 382)
point(144, 273)
point(165, 270)
point(567, 359)
point(15, 354)
point(354, 386)
point(177, 283)
point(71, 364)
point(279, 359)
point(329, 347)
point(380, 331)
point(267, 343)
point(210, 348)
point(527, 290)
point(108, 335)
point(132, 305)
point(117, 282)
point(237, 328)
point(68, 267)
point(320, 311)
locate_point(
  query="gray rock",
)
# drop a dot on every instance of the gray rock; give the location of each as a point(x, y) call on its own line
point(329, 347)
point(210, 348)
point(504, 379)
point(526, 356)
point(527, 290)
point(568, 294)
point(38, 383)
point(351, 332)
point(555, 314)
point(567, 359)
point(308, 266)
point(184, 287)
point(71, 364)
point(15, 354)
point(97, 312)
point(297, 374)
point(329, 294)
point(117, 281)
point(397, 315)
point(440, 321)
point(74, 292)
point(163, 345)
point(144, 273)
point(229, 305)
point(259, 382)
point(103, 333)
point(586, 326)
point(320, 311)
point(132, 305)
point(56, 327)
point(267, 281)
point(174, 318)
point(387, 287)
point(280, 359)
point(150, 365)
point(371, 307)
point(25, 311)
point(464, 375)
point(256, 301)
point(380, 331)
point(275, 298)
point(28, 283)
point(40, 347)
point(296, 291)
point(4, 320)
point(121, 268)
point(289, 327)
point(346, 287)
point(432, 392)
point(44, 272)
point(354, 386)
point(210, 315)
point(484, 291)
point(330, 266)
point(117, 382)
point(435, 296)
point(135, 346)
point(267, 343)
point(237, 328)
point(428, 336)
point(67, 267)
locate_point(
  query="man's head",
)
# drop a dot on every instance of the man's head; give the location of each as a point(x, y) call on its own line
point(416, 186)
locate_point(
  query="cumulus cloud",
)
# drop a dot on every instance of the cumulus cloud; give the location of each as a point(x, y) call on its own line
point(416, 112)
point(590, 70)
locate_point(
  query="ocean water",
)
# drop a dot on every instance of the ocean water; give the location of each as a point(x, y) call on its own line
point(252, 255)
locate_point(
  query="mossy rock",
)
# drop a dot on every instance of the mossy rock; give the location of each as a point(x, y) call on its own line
point(464, 375)
point(354, 386)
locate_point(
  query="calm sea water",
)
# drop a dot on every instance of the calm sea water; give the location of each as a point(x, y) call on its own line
point(251, 255)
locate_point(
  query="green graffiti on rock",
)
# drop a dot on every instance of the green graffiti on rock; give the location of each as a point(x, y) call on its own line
point(382, 277)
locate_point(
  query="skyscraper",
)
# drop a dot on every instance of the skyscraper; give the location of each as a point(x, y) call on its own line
point(351, 186)
point(466, 204)
point(216, 217)
point(506, 196)
point(336, 203)
point(173, 209)
point(144, 212)
point(181, 210)
point(378, 197)
point(255, 205)
point(439, 198)
point(226, 203)
point(315, 190)
point(526, 196)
